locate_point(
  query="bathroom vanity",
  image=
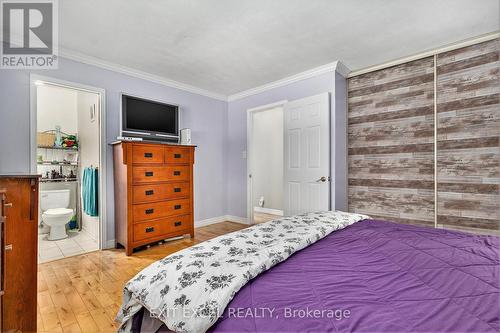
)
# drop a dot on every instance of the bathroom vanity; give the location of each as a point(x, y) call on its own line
point(19, 225)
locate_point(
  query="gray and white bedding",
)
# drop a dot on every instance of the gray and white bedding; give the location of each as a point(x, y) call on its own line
point(190, 289)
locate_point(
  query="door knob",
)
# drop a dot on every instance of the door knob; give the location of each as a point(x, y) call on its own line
point(322, 179)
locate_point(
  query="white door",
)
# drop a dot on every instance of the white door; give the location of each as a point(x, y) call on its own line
point(307, 155)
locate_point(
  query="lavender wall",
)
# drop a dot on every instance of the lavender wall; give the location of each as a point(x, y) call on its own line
point(237, 132)
point(218, 128)
point(205, 116)
point(339, 144)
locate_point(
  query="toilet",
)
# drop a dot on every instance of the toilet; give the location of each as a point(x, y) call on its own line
point(55, 212)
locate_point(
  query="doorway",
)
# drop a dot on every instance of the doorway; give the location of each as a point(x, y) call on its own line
point(265, 162)
point(288, 162)
point(67, 150)
point(307, 155)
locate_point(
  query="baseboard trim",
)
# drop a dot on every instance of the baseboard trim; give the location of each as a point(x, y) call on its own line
point(236, 219)
point(219, 219)
point(110, 244)
point(268, 211)
point(209, 221)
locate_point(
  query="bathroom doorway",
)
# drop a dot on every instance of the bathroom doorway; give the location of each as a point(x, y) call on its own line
point(67, 151)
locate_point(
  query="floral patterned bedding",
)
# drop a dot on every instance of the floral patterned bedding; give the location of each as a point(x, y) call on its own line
point(190, 289)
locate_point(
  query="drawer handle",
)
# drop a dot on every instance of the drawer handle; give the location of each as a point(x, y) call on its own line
point(150, 229)
point(177, 173)
point(177, 155)
point(148, 155)
point(150, 192)
point(177, 189)
point(150, 211)
point(177, 224)
point(148, 173)
point(177, 207)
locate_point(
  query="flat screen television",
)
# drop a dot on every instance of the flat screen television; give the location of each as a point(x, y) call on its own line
point(149, 119)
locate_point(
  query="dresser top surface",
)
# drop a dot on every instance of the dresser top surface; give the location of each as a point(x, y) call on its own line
point(20, 175)
point(151, 142)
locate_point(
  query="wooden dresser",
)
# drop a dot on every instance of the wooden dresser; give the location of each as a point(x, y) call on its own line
point(153, 192)
point(19, 222)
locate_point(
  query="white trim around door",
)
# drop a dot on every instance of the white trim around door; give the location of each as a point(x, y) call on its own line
point(37, 79)
point(250, 113)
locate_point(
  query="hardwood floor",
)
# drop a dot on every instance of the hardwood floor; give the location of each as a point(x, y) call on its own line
point(264, 217)
point(83, 293)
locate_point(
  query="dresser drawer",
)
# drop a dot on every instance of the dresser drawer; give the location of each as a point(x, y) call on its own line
point(147, 154)
point(158, 228)
point(177, 155)
point(154, 210)
point(179, 173)
point(177, 223)
point(151, 174)
point(157, 192)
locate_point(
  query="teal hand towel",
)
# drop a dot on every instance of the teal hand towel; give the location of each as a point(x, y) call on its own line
point(90, 191)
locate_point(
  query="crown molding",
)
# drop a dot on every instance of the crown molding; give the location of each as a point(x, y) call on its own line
point(68, 54)
point(342, 69)
point(331, 67)
point(89, 60)
point(428, 53)
point(337, 66)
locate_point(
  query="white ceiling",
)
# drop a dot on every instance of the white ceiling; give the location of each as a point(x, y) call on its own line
point(228, 46)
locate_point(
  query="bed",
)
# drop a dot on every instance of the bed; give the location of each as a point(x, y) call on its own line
point(364, 276)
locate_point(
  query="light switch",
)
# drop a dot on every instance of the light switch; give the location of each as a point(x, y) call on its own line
point(244, 154)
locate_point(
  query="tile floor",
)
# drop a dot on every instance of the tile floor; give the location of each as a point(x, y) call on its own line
point(78, 242)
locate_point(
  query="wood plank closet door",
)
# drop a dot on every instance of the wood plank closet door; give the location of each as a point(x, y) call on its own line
point(468, 158)
point(391, 143)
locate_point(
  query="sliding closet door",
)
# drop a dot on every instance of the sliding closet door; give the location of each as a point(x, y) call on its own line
point(391, 143)
point(468, 123)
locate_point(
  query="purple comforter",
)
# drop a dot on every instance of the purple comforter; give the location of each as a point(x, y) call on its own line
point(376, 276)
